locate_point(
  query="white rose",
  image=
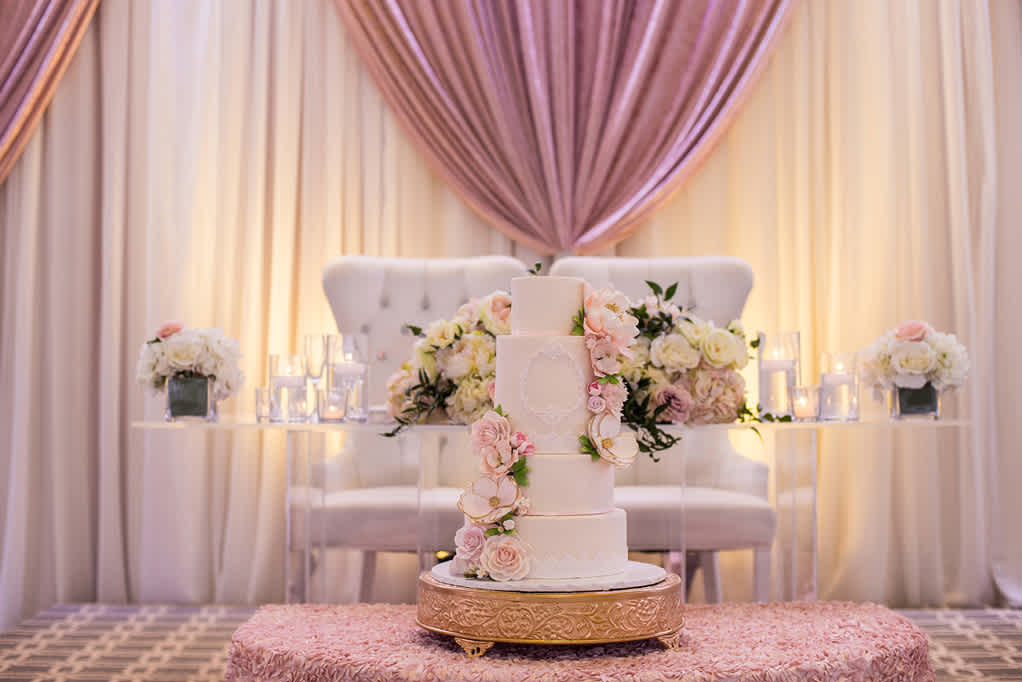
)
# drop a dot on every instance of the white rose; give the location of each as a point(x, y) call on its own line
point(719, 348)
point(693, 329)
point(442, 333)
point(911, 361)
point(673, 352)
point(424, 357)
point(183, 349)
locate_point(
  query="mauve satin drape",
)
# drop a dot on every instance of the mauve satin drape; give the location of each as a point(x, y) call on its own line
point(37, 40)
point(564, 123)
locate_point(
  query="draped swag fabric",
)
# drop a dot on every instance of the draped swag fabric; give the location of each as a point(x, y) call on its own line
point(564, 123)
point(37, 40)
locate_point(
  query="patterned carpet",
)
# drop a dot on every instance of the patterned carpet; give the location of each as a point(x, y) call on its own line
point(189, 644)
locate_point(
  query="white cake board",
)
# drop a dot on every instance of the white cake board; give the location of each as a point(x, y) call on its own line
point(636, 574)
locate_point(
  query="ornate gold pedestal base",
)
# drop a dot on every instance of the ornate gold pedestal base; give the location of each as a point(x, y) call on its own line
point(477, 618)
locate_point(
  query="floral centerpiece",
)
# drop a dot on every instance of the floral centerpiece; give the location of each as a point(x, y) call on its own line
point(682, 370)
point(196, 367)
point(451, 374)
point(915, 364)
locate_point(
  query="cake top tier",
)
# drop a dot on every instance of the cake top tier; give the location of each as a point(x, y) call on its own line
point(545, 306)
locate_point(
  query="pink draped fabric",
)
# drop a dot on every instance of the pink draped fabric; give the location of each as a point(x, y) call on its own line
point(37, 40)
point(564, 123)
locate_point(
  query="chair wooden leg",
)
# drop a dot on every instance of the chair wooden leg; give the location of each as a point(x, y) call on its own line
point(709, 563)
point(365, 588)
point(761, 574)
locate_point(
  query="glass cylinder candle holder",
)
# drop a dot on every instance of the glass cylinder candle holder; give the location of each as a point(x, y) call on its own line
point(289, 398)
point(331, 406)
point(349, 373)
point(805, 403)
point(263, 404)
point(778, 372)
point(839, 388)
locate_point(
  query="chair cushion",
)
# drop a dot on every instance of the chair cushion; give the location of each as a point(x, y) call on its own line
point(386, 518)
point(712, 519)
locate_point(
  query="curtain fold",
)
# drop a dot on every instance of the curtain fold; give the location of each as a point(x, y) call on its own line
point(38, 38)
point(564, 124)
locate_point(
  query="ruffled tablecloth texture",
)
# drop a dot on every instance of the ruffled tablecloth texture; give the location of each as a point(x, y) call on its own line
point(786, 642)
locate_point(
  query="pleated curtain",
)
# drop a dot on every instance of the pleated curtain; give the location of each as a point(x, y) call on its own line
point(564, 124)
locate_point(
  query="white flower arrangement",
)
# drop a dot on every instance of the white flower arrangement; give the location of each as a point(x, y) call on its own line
point(912, 355)
point(175, 350)
point(683, 370)
point(453, 367)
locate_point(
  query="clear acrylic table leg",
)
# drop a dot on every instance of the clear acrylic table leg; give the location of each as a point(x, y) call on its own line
point(794, 500)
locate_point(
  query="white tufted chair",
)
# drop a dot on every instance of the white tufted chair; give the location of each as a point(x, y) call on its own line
point(725, 496)
point(371, 487)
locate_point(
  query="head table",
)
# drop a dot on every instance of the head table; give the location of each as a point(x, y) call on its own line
point(791, 449)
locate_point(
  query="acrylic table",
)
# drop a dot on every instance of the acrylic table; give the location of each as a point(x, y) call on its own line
point(789, 451)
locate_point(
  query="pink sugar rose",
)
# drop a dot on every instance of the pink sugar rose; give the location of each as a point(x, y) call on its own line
point(490, 430)
point(505, 557)
point(500, 306)
point(169, 328)
point(594, 388)
point(497, 459)
point(469, 541)
point(912, 330)
point(604, 356)
point(615, 396)
point(596, 404)
point(678, 400)
point(491, 389)
point(521, 445)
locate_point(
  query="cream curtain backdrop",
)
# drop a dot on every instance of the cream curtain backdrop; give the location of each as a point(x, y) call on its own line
point(204, 160)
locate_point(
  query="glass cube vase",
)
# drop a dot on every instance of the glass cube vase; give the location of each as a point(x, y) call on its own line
point(915, 403)
point(190, 398)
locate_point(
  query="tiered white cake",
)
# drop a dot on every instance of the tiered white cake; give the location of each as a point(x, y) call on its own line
point(543, 373)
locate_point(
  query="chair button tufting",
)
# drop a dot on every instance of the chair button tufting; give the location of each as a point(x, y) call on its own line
point(425, 304)
point(364, 329)
point(384, 303)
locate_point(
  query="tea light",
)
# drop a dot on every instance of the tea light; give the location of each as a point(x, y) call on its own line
point(839, 394)
point(331, 405)
point(805, 401)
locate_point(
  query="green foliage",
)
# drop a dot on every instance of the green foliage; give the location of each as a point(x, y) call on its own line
point(416, 331)
point(490, 532)
point(645, 421)
point(534, 270)
point(579, 323)
point(652, 325)
point(586, 446)
point(499, 410)
point(754, 343)
point(427, 396)
point(520, 472)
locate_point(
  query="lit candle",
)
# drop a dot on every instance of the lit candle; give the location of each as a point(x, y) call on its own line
point(803, 410)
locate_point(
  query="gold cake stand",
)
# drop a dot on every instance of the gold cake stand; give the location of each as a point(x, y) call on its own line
point(477, 618)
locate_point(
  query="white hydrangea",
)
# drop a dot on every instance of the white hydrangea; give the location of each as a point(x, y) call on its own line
point(471, 400)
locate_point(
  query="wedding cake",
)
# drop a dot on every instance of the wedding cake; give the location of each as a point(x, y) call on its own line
point(543, 506)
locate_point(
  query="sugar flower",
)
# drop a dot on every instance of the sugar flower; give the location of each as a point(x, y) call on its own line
point(489, 498)
point(506, 557)
point(469, 541)
point(612, 444)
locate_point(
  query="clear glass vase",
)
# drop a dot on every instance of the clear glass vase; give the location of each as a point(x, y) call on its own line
point(190, 397)
point(915, 403)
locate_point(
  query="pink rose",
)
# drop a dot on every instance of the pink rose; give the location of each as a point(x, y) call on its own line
point(491, 389)
point(497, 459)
point(469, 541)
point(615, 395)
point(500, 306)
point(912, 330)
point(604, 356)
point(505, 557)
point(169, 328)
point(490, 430)
point(596, 404)
point(521, 445)
point(678, 400)
point(594, 388)
point(718, 395)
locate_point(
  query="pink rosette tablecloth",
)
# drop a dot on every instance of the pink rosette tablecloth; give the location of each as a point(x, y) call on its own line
point(819, 641)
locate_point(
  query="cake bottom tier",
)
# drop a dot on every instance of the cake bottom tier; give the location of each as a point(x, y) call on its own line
point(575, 546)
